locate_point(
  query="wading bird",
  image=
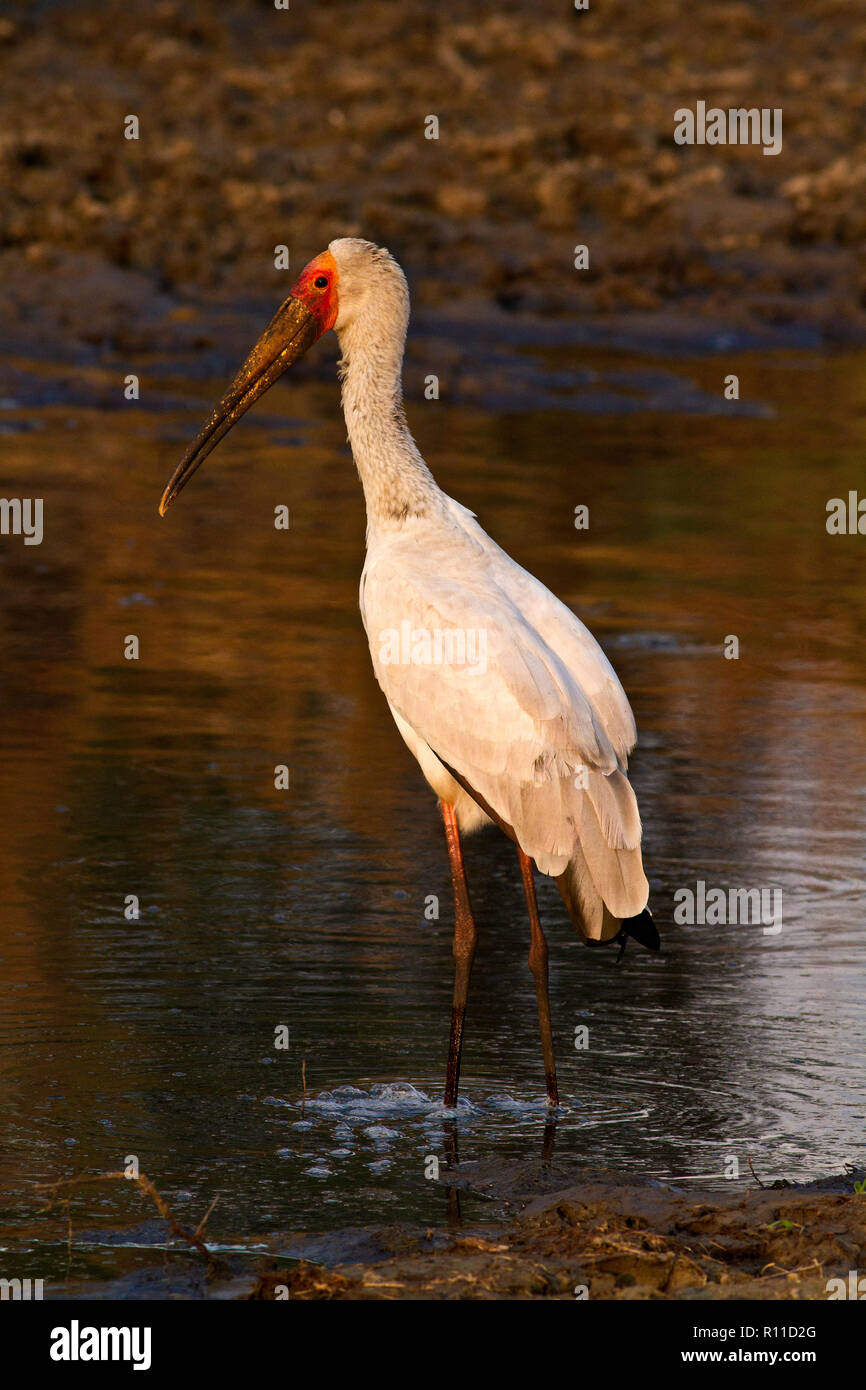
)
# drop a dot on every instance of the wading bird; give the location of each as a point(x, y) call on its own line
point(535, 736)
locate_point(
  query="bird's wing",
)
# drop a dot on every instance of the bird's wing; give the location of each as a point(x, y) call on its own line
point(562, 631)
point(522, 725)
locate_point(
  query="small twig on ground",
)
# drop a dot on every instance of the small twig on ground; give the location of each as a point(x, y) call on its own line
point(754, 1174)
point(303, 1083)
point(199, 1230)
point(192, 1238)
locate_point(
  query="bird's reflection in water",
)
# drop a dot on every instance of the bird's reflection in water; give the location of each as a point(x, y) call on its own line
point(452, 1155)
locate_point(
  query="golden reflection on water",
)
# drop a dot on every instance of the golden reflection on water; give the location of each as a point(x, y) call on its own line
point(155, 777)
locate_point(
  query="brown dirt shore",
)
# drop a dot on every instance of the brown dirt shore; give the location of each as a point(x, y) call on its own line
point(605, 1238)
point(261, 126)
point(556, 1233)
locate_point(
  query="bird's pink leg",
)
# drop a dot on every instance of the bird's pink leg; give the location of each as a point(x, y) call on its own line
point(538, 966)
point(465, 937)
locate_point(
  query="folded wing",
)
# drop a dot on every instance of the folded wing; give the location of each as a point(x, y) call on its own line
point(513, 694)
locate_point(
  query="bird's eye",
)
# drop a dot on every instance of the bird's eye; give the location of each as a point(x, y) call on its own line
point(321, 282)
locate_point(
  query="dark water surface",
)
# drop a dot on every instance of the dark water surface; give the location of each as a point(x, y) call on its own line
point(305, 907)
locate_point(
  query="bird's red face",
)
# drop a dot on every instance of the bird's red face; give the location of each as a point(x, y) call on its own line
point(310, 310)
point(316, 286)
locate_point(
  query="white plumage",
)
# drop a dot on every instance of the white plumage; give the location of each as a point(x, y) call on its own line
point(542, 734)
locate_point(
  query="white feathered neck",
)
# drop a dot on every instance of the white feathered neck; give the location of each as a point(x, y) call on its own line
point(371, 327)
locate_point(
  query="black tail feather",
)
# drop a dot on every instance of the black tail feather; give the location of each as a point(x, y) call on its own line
point(642, 928)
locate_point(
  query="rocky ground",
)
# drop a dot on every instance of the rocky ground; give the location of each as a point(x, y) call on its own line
point(261, 127)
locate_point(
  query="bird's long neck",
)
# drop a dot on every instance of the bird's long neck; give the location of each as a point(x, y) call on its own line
point(397, 482)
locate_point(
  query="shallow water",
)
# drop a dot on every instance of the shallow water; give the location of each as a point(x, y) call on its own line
point(306, 908)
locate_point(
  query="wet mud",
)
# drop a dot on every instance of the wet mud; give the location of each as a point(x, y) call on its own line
point(603, 1238)
point(551, 134)
point(561, 1235)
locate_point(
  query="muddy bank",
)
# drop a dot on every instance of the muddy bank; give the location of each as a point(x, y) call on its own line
point(605, 1239)
point(562, 1234)
point(261, 127)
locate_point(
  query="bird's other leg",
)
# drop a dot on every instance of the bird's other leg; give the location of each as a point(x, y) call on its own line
point(452, 1158)
point(538, 966)
point(465, 937)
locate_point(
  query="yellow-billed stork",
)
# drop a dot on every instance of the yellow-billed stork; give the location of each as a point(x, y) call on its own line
point(505, 698)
